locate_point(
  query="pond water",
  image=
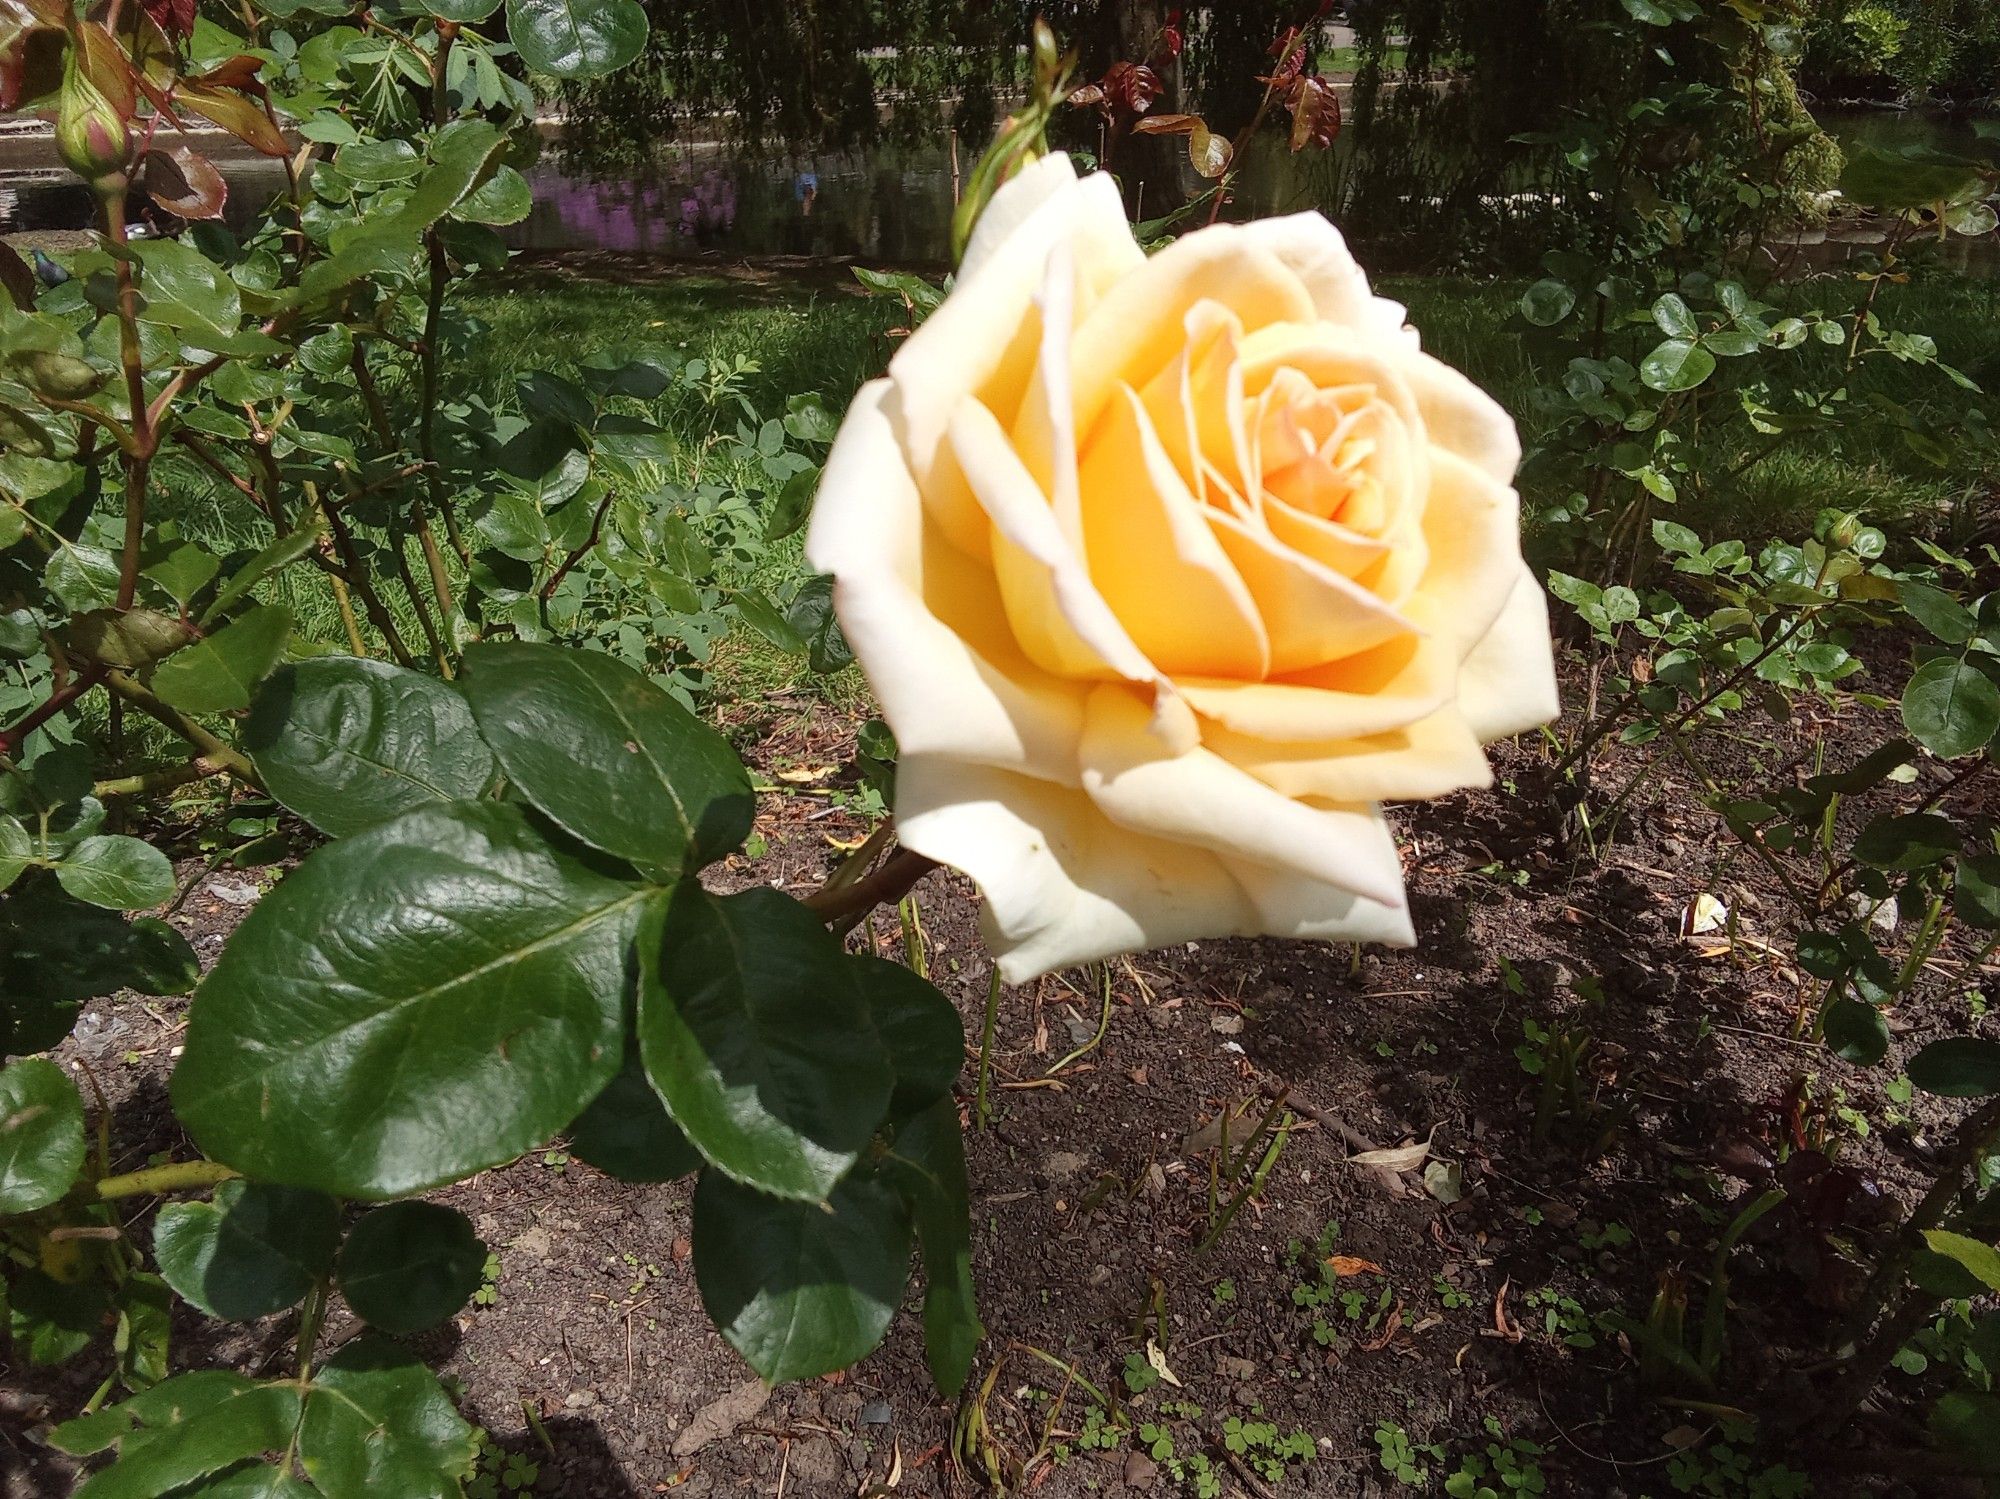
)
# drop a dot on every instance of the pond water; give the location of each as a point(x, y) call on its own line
point(886, 206)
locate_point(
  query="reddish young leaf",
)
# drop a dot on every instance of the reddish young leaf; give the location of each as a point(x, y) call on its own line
point(185, 183)
point(1315, 112)
point(1209, 152)
point(215, 97)
point(175, 17)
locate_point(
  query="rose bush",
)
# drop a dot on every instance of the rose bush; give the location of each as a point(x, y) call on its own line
point(1168, 572)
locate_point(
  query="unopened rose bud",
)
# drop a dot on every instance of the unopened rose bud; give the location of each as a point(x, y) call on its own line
point(90, 131)
point(1845, 531)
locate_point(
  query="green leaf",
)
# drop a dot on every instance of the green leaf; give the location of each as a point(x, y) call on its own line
point(349, 743)
point(1913, 842)
point(218, 673)
point(378, 1424)
point(181, 569)
point(145, 1308)
point(1913, 177)
point(252, 1250)
point(1951, 707)
point(627, 1133)
point(17, 849)
point(465, 12)
point(919, 1026)
point(1983, 1260)
point(1672, 536)
point(379, 161)
point(791, 507)
point(1958, 1067)
point(1676, 365)
point(927, 1163)
point(799, 1289)
point(185, 1429)
point(608, 755)
point(415, 1003)
point(1963, 1422)
point(410, 1265)
point(1937, 611)
point(1975, 892)
point(1674, 318)
point(1547, 303)
point(576, 38)
point(503, 198)
point(83, 578)
point(762, 615)
point(41, 1135)
point(279, 554)
point(755, 1033)
point(50, 1321)
point(1856, 1032)
point(116, 872)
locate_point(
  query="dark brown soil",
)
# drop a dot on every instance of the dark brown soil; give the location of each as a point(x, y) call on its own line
point(1090, 1198)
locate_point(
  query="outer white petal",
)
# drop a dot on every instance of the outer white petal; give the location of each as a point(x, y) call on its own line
point(1199, 799)
point(1319, 257)
point(1507, 685)
point(1063, 885)
point(940, 692)
point(1019, 198)
point(988, 320)
point(1463, 419)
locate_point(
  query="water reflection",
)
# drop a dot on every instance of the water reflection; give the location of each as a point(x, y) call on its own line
point(886, 207)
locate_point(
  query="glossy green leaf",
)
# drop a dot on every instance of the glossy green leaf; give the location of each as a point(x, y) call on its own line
point(415, 1003)
point(465, 12)
point(116, 872)
point(576, 38)
point(220, 672)
point(83, 578)
point(373, 162)
point(627, 1132)
point(144, 1326)
point(41, 1135)
point(1856, 1032)
point(252, 1250)
point(56, 952)
point(1951, 707)
point(755, 1033)
point(1676, 365)
point(1958, 1067)
point(1981, 1259)
point(410, 1265)
point(378, 1423)
point(919, 1026)
point(182, 1430)
point(797, 1288)
point(608, 755)
point(926, 1162)
point(1674, 318)
point(349, 743)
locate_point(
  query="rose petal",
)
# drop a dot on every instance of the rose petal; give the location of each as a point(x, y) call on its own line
point(1063, 885)
point(1199, 799)
point(1473, 526)
point(1431, 757)
point(1508, 683)
point(926, 621)
point(985, 338)
point(1155, 559)
point(1312, 614)
point(1463, 419)
point(1374, 693)
point(1315, 252)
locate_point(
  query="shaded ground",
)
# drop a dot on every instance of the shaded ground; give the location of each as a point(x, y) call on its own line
point(1340, 1298)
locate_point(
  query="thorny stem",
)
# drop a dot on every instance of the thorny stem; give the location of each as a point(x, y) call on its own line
point(887, 885)
point(211, 748)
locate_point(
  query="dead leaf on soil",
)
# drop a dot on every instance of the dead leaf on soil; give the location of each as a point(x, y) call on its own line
point(1242, 1116)
point(1503, 1326)
point(1395, 1158)
point(846, 845)
point(1351, 1264)
point(1390, 1328)
point(805, 775)
point(721, 1416)
point(1445, 1180)
point(1159, 1362)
